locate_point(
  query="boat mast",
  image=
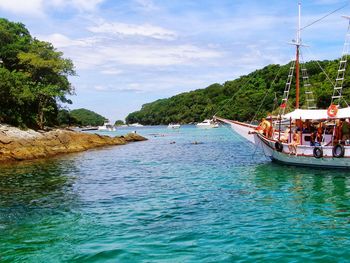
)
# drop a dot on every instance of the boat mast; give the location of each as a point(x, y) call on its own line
point(297, 45)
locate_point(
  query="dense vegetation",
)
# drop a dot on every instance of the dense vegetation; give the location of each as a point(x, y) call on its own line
point(34, 78)
point(240, 99)
point(119, 122)
point(87, 118)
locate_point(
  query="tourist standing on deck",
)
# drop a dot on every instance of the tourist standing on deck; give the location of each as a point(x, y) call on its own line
point(265, 126)
point(338, 132)
point(345, 128)
point(294, 144)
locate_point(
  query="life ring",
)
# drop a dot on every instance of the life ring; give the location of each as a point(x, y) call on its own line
point(338, 151)
point(278, 146)
point(318, 152)
point(332, 110)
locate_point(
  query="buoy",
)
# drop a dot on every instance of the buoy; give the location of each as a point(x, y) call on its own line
point(332, 111)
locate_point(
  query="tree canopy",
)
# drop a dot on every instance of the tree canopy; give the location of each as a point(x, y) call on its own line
point(86, 117)
point(240, 99)
point(34, 78)
point(119, 122)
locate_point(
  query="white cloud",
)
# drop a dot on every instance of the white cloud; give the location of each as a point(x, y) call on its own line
point(61, 41)
point(144, 55)
point(128, 88)
point(144, 30)
point(90, 52)
point(28, 7)
point(157, 55)
point(111, 71)
point(40, 7)
point(147, 5)
point(82, 5)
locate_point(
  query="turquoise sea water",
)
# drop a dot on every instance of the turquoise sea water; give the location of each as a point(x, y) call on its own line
point(159, 201)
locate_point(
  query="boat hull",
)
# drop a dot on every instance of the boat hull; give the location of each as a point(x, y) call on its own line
point(304, 155)
point(243, 129)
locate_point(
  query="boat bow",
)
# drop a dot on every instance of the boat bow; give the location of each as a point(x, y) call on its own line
point(243, 129)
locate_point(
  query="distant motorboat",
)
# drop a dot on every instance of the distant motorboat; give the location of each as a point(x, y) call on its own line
point(174, 126)
point(106, 127)
point(136, 125)
point(90, 129)
point(207, 124)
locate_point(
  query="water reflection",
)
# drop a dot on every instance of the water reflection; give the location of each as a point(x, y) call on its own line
point(32, 188)
point(323, 192)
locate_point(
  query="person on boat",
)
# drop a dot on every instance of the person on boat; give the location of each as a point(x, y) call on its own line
point(284, 137)
point(319, 134)
point(294, 144)
point(337, 132)
point(270, 130)
point(299, 124)
point(307, 127)
point(345, 129)
point(264, 126)
point(313, 139)
point(329, 129)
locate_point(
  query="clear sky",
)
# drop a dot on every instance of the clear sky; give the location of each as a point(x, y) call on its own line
point(130, 52)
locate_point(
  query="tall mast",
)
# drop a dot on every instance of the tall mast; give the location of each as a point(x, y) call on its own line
point(297, 45)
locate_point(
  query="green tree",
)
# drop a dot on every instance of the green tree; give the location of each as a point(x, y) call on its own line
point(34, 78)
point(49, 72)
point(64, 118)
point(87, 117)
point(119, 123)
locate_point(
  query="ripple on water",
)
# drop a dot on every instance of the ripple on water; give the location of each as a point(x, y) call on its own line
point(155, 201)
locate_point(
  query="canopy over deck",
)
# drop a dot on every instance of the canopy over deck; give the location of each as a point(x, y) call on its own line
point(316, 114)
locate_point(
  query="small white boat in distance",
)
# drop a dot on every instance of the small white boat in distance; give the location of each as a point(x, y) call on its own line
point(174, 126)
point(207, 124)
point(106, 127)
point(136, 125)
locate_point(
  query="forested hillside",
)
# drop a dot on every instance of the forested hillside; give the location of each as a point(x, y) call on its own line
point(240, 99)
point(86, 117)
point(34, 78)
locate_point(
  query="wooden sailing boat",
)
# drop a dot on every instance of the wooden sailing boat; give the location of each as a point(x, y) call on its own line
point(329, 150)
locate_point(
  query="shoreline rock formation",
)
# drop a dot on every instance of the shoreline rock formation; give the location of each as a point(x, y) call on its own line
point(19, 145)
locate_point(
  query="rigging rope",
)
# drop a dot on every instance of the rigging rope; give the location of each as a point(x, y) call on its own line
point(318, 20)
point(267, 91)
point(318, 63)
point(324, 72)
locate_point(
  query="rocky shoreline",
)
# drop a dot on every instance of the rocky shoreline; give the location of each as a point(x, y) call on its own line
point(19, 145)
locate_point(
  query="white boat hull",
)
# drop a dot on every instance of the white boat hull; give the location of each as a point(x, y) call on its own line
point(304, 155)
point(207, 124)
point(243, 129)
